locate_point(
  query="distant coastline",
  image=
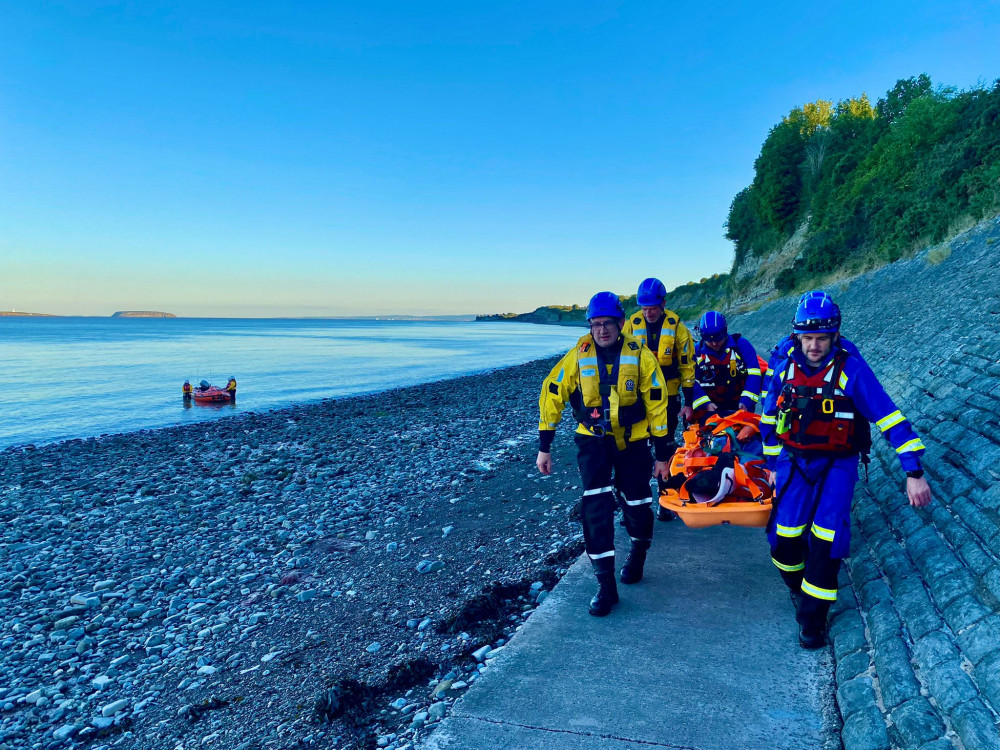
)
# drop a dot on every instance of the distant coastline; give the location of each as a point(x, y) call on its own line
point(12, 314)
point(142, 314)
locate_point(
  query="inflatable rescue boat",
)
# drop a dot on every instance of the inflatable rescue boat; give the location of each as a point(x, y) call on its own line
point(211, 395)
point(718, 477)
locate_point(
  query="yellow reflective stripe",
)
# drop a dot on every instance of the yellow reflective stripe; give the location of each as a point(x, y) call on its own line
point(770, 371)
point(890, 421)
point(791, 531)
point(788, 568)
point(843, 380)
point(829, 595)
point(772, 450)
point(700, 402)
point(822, 533)
point(768, 419)
point(755, 397)
point(753, 371)
point(912, 445)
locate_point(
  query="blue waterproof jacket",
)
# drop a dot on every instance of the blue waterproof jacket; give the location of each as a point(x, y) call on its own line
point(743, 350)
point(858, 382)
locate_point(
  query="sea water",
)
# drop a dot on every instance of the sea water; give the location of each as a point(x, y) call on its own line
point(78, 377)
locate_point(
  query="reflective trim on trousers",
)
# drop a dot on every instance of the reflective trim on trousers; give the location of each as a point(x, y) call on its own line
point(829, 595)
point(788, 568)
point(643, 501)
point(791, 531)
point(601, 555)
point(822, 533)
point(598, 491)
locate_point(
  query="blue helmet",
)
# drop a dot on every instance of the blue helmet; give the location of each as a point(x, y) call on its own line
point(605, 305)
point(713, 326)
point(651, 293)
point(816, 314)
point(817, 293)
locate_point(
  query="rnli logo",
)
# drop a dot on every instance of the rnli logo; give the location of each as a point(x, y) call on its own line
point(629, 385)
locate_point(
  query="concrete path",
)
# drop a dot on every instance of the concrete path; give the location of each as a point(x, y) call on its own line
point(701, 655)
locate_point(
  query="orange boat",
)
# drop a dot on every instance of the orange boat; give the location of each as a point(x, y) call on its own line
point(211, 395)
point(713, 482)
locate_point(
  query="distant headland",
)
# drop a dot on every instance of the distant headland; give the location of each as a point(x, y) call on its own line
point(142, 314)
point(13, 314)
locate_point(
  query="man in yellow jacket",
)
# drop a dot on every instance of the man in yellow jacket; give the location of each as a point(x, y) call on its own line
point(619, 399)
point(669, 339)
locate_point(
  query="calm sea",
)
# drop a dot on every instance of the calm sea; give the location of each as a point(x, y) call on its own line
point(76, 377)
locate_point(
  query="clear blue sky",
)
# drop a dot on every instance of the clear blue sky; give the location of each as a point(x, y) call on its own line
point(223, 158)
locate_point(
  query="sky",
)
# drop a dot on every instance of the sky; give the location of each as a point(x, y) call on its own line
point(359, 158)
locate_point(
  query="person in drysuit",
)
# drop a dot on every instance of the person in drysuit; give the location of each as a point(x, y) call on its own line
point(670, 340)
point(815, 427)
point(727, 373)
point(619, 399)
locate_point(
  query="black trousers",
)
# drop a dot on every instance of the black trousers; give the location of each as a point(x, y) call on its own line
point(673, 418)
point(603, 469)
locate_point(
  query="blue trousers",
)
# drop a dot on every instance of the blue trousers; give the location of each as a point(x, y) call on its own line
point(810, 532)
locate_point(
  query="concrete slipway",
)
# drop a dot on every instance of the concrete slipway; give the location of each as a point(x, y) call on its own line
point(700, 655)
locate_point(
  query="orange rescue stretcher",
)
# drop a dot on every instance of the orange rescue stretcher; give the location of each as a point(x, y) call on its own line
point(741, 496)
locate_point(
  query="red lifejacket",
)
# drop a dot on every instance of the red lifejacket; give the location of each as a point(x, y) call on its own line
point(722, 376)
point(815, 415)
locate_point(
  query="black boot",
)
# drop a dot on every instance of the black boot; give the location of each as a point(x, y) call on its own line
point(812, 636)
point(606, 597)
point(812, 619)
point(664, 514)
point(634, 563)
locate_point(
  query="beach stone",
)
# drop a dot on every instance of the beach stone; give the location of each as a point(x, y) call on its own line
point(437, 711)
point(112, 708)
point(430, 566)
point(65, 732)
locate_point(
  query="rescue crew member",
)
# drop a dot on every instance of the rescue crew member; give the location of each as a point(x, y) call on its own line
point(187, 390)
point(231, 388)
point(669, 339)
point(815, 425)
point(618, 396)
point(727, 373)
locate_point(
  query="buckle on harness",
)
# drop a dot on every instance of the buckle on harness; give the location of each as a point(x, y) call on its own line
point(598, 430)
point(828, 406)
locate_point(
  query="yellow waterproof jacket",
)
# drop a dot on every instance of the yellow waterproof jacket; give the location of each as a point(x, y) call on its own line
point(674, 352)
point(566, 379)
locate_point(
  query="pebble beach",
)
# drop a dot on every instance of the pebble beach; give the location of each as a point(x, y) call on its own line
point(328, 575)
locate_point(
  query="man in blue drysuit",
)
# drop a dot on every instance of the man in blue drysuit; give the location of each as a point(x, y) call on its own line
point(815, 426)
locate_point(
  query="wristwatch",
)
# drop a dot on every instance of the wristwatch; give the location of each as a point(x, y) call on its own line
point(918, 474)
